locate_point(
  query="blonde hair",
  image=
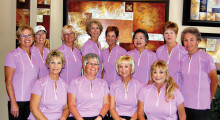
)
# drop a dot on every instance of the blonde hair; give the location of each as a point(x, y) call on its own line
point(55, 53)
point(171, 85)
point(89, 25)
point(22, 28)
point(66, 29)
point(126, 58)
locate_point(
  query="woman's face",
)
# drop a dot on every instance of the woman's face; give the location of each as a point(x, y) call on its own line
point(26, 38)
point(139, 40)
point(170, 36)
point(111, 38)
point(159, 76)
point(95, 30)
point(55, 65)
point(40, 37)
point(124, 69)
point(190, 43)
point(69, 36)
point(92, 67)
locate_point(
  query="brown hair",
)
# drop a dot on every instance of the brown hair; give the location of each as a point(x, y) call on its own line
point(170, 25)
point(89, 24)
point(112, 28)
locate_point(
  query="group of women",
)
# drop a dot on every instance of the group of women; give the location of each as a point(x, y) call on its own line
point(174, 83)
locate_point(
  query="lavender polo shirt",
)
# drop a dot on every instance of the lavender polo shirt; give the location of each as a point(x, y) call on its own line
point(109, 60)
point(89, 100)
point(126, 100)
point(155, 105)
point(196, 84)
point(44, 71)
point(73, 63)
point(91, 47)
point(173, 60)
point(26, 73)
point(143, 64)
point(52, 100)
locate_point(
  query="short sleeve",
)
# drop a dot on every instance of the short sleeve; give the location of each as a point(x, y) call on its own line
point(72, 87)
point(106, 89)
point(141, 95)
point(10, 60)
point(37, 88)
point(179, 97)
point(112, 89)
point(211, 64)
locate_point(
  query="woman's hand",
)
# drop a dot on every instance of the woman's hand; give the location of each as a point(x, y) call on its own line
point(14, 109)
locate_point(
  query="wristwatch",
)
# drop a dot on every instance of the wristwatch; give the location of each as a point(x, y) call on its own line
point(101, 116)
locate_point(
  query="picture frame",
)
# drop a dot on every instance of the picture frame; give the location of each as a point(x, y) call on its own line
point(210, 43)
point(201, 14)
point(160, 5)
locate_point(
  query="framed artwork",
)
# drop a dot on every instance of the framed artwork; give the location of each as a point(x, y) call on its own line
point(128, 16)
point(210, 43)
point(201, 13)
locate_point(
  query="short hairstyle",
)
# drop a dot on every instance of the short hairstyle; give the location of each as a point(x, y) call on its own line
point(191, 30)
point(170, 25)
point(126, 58)
point(89, 25)
point(66, 29)
point(141, 31)
point(22, 28)
point(55, 53)
point(90, 56)
point(171, 85)
point(112, 28)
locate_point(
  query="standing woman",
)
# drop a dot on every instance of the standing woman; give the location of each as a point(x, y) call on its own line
point(143, 57)
point(39, 49)
point(161, 98)
point(200, 79)
point(21, 71)
point(92, 45)
point(88, 96)
point(124, 91)
point(49, 94)
point(73, 66)
point(172, 52)
point(111, 54)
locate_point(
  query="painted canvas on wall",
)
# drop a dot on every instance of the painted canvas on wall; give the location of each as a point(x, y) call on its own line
point(127, 16)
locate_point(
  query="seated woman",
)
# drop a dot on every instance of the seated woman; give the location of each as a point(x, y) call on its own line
point(88, 96)
point(161, 98)
point(49, 94)
point(124, 92)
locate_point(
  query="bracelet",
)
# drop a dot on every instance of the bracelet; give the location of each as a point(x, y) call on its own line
point(101, 116)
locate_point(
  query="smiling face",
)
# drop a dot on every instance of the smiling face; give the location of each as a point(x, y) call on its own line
point(26, 38)
point(40, 37)
point(190, 43)
point(170, 35)
point(159, 76)
point(92, 67)
point(69, 37)
point(124, 69)
point(95, 30)
point(111, 38)
point(55, 65)
point(139, 41)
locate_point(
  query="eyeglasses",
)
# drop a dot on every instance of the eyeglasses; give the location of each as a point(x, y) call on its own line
point(66, 34)
point(92, 64)
point(40, 34)
point(24, 36)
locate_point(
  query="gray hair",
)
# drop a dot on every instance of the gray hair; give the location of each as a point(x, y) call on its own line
point(90, 56)
point(191, 30)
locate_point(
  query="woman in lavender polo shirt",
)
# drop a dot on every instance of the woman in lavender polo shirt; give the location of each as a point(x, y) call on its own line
point(88, 96)
point(124, 91)
point(161, 98)
point(92, 45)
point(172, 52)
point(73, 58)
point(111, 54)
point(49, 94)
point(143, 57)
point(39, 49)
point(199, 76)
point(21, 71)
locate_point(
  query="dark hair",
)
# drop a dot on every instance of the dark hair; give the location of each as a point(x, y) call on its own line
point(141, 31)
point(112, 28)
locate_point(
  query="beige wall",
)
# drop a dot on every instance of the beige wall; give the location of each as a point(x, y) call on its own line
point(7, 33)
